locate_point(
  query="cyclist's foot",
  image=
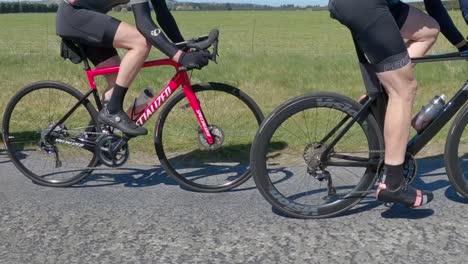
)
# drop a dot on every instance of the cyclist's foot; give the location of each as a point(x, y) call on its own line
point(122, 122)
point(405, 194)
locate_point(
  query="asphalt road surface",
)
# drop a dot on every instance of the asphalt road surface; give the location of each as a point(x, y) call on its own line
point(140, 215)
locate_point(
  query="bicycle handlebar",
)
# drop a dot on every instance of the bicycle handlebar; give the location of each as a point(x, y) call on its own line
point(203, 43)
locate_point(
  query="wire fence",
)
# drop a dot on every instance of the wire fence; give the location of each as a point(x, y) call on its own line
point(35, 34)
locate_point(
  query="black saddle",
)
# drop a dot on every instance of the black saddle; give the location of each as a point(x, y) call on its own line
point(72, 51)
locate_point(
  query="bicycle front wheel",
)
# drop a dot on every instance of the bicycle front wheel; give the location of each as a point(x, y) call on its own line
point(233, 118)
point(290, 163)
point(456, 153)
point(55, 157)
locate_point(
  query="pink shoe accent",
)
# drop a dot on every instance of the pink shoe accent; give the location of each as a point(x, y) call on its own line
point(419, 199)
point(382, 186)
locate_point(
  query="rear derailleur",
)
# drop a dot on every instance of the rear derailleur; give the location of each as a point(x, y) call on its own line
point(312, 156)
point(48, 141)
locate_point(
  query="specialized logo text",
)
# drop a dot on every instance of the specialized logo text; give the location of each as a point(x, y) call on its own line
point(154, 106)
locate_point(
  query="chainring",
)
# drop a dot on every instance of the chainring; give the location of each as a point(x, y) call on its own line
point(107, 152)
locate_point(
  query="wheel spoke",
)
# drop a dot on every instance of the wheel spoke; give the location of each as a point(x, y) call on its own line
point(190, 158)
point(299, 180)
point(30, 120)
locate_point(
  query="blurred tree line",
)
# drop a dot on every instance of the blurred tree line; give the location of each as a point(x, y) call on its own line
point(27, 7)
point(51, 6)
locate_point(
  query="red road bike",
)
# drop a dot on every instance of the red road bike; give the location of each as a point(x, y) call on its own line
point(202, 136)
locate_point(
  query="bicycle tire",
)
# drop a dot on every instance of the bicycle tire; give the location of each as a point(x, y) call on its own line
point(182, 138)
point(455, 169)
point(273, 189)
point(23, 137)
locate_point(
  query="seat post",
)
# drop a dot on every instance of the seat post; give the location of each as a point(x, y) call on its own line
point(373, 87)
point(85, 58)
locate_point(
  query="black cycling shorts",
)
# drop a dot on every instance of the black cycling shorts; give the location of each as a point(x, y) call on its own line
point(94, 30)
point(375, 31)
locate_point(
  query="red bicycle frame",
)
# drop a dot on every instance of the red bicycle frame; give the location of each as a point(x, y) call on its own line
point(181, 78)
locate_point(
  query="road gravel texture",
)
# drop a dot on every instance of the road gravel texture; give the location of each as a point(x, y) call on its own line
point(140, 215)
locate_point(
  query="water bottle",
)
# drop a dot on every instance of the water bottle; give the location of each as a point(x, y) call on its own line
point(428, 113)
point(140, 104)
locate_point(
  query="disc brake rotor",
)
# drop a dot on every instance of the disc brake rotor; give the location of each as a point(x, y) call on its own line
point(217, 134)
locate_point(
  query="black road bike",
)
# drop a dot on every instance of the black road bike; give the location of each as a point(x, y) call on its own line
point(319, 154)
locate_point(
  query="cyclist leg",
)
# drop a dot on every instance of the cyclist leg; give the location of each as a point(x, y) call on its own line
point(104, 58)
point(100, 30)
point(377, 35)
point(420, 30)
point(110, 78)
point(128, 37)
point(108, 57)
point(112, 114)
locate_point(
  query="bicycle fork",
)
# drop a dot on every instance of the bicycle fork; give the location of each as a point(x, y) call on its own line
point(195, 104)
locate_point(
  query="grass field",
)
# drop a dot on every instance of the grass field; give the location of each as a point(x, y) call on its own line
point(272, 56)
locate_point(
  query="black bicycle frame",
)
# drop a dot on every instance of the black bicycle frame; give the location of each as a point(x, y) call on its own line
point(88, 145)
point(376, 104)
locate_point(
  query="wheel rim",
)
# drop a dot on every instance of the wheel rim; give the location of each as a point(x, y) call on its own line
point(31, 118)
point(298, 182)
point(206, 167)
point(462, 160)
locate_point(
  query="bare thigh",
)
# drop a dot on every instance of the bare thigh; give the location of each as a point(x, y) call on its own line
point(419, 26)
point(128, 37)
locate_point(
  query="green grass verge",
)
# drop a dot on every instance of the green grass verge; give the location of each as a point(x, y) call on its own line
point(272, 56)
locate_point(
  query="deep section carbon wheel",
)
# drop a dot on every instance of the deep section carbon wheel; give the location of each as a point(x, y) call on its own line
point(302, 165)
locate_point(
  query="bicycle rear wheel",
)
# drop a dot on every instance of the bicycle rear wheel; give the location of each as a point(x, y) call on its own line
point(233, 118)
point(286, 156)
point(60, 159)
point(456, 153)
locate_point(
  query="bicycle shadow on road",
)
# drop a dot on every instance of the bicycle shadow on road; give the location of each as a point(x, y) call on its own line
point(4, 156)
point(434, 166)
point(137, 177)
point(130, 177)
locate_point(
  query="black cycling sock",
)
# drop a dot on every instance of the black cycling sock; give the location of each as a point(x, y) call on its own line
point(393, 176)
point(116, 102)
